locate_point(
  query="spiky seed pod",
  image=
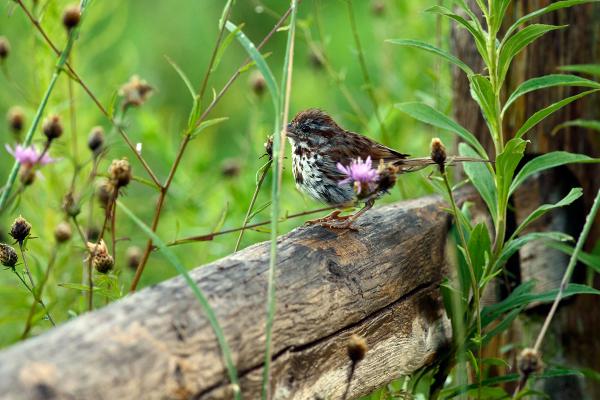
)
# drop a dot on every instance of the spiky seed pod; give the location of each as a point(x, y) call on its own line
point(102, 261)
point(135, 92)
point(134, 256)
point(71, 17)
point(357, 348)
point(530, 361)
point(438, 153)
point(120, 172)
point(16, 119)
point(269, 147)
point(26, 175)
point(8, 255)
point(105, 193)
point(70, 206)
point(96, 140)
point(20, 229)
point(230, 168)
point(63, 232)
point(257, 83)
point(4, 48)
point(52, 128)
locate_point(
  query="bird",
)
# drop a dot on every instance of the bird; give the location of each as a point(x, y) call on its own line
point(335, 166)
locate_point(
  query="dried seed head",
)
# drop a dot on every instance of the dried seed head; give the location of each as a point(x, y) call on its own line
point(16, 119)
point(230, 168)
point(357, 348)
point(438, 152)
point(134, 256)
point(62, 232)
point(70, 206)
point(269, 147)
point(20, 229)
point(4, 48)
point(105, 193)
point(530, 361)
point(387, 176)
point(71, 16)
point(8, 255)
point(120, 172)
point(96, 140)
point(378, 7)
point(102, 261)
point(26, 175)
point(135, 92)
point(52, 128)
point(257, 83)
point(316, 59)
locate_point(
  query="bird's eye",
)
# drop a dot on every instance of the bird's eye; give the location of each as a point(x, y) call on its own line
point(305, 128)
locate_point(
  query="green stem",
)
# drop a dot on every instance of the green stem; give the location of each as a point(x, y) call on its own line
point(32, 288)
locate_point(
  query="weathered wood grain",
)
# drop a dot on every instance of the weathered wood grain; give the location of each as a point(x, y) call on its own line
point(380, 282)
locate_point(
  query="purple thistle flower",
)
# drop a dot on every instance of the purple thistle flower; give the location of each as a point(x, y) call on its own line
point(29, 156)
point(360, 172)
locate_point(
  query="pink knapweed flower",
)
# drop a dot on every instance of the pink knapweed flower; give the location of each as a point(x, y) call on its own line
point(29, 156)
point(361, 173)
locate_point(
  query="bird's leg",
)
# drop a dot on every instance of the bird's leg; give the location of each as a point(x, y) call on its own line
point(334, 215)
point(347, 222)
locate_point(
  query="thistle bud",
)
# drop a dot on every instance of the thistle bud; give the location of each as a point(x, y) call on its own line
point(102, 261)
point(8, 255)
point(92, 234)
point(135, 92)
point(4, 48)
point(62, 232)
point(257, 83)
point(70, 206)
point(438, 153)
point(134, 256)
point(16, 119)
point(530, 361)
point(20, 229)
point(71, 17)
point(96, 140)
point(120, 172)
point(105, 193)
point(26, 175)
point(52, 128)
point(357, 348)
point(230, 168)
point(269, 147)
point(387, 176)
point(378, 8)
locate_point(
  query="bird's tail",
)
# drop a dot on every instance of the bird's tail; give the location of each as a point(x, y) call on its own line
point(415, 164)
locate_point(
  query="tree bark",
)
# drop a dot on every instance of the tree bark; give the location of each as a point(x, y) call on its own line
point(380, 282)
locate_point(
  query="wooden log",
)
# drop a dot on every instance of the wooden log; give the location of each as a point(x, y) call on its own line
point(380, 282)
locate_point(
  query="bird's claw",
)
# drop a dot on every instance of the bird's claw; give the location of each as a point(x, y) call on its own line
point(334, 216)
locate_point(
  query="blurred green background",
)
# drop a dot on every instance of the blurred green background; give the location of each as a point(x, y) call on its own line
point(215, 182)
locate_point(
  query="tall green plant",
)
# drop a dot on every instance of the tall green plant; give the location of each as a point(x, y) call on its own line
point(495, 183)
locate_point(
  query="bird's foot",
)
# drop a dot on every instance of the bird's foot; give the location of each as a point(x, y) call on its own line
point(334, 216)
point(340, 224)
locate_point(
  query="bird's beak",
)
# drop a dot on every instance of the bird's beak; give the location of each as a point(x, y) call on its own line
point(290, 131)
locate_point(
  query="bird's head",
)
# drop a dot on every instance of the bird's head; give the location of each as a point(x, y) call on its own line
point(312, 126)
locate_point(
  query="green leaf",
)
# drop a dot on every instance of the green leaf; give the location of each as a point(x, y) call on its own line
point(591, 260)
point(547, 81)
point(78, 286)
point(579, 123)
point(483, 93)
point(183, 77)
point(552, 7)
point(223, 47)
point(573, 195)
point(482, 179)
point(432, 49)
point(503, 325)
point(480, 248)
point(206, 307)
point(547, 161)
point(473, 27)
point(206, 124)
point(261, 64)
point(543, 113)
point(429, 115)
point(512, 246)
point(498, 9)
point(512, 46)
point(590, 69)
point(506, 164)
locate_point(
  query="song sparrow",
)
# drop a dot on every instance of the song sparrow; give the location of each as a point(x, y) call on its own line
point(321, 151)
